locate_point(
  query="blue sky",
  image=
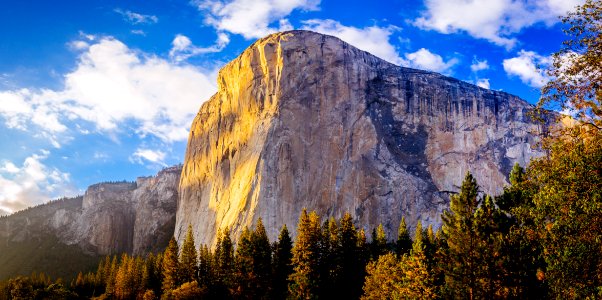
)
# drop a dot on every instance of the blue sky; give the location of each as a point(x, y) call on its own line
point(95, 90)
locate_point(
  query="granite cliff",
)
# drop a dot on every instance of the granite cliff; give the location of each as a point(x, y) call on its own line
point(111, 218)
point(304, 120)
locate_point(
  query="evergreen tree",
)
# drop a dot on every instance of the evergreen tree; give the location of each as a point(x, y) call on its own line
point(224, 265)
point(418, 281)
point(351, 276)
point(378, 245)
point(282, 267)
point(489, 251)
point(111, 274)
point(188, 260)
point(170, 266)
point(262, 260)
point(461, 254)
point(206, 274)
point(329, 264)
point(245, 277)
point(404, 242)
point(521, 249)
point(306, 257)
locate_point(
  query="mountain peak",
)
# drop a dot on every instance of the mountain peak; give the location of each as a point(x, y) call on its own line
point(304, 120)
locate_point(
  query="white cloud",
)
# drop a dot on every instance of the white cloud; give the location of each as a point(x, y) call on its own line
point(479, 65)
point(527, 66)
point(138, 32)
point(483, 82)
point(153, 156)
point(372, 39)
point(113, 84)
point(251, 18)
point(31, 184)
point(494, 20)
point(182, 47)
point(9, 167)
point(426, 60)
point(136, 18)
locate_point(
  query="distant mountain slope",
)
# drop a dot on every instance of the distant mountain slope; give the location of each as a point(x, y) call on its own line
point(70, 235)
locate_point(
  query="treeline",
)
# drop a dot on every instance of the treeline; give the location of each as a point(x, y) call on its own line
point(540, 239)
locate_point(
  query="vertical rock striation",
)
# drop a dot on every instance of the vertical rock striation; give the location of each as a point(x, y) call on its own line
point(304, 120)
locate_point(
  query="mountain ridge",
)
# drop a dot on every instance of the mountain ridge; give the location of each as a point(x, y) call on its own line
point(305, 120)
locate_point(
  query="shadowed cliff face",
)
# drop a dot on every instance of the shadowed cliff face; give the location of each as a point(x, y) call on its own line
point(304, 120)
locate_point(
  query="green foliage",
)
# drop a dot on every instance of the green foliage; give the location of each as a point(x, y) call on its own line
point(404, 242)
point(56, 259)
point(378, 245)
point(306, 258)
point(566, 189)
point(170, 266)
point(188, 258)
point(576, 70)
point(282, 265)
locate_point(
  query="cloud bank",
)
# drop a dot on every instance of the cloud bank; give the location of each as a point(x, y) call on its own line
point(113, 85)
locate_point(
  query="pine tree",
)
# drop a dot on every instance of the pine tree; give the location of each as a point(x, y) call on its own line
point(245, 277)
point(329, 264)
point(379, 242)
point(461, 254)
point(404, 242)
point(262, 260)
point(418, 281)
point(306, 258)
point(489, 250)
point(206, 275)
point(170, 266)
point(522, 251)
point(224, 265)
point(188, 260)
point(282, 264)
point(351, 270)
point(111, 274)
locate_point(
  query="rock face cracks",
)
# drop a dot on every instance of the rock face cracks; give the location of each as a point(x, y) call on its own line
point(304, 120)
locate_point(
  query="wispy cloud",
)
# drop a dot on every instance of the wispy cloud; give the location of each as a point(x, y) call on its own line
point(31, 183)
point(182, 47)
point(136, 18)
point(528, 67)
point(494, 20)
point(426, 60)
point(251, 18)
point(373, 39)
point(148, 155)
point(483, 82)
point(479, 65)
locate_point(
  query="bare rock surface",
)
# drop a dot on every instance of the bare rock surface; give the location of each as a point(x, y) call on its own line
point(304, 120)
point(111, 218)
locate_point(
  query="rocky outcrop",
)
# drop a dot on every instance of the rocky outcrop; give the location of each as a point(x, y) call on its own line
point(111, 218)
point(304, 120)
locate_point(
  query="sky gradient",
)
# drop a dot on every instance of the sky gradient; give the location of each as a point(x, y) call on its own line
point(103, 90)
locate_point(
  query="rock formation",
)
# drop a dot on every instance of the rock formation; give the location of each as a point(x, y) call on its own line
point(304, 120)
point(111, 218)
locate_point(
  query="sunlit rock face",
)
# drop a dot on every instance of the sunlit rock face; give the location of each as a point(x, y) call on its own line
point(304, 120)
